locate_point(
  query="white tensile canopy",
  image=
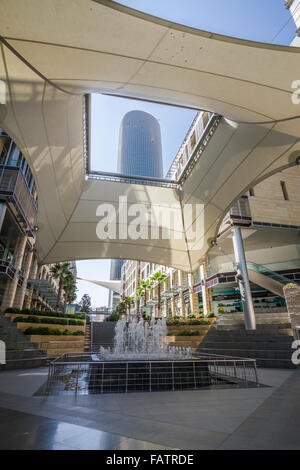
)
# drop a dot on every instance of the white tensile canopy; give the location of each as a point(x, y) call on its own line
point(53, 52)
point(113, 285)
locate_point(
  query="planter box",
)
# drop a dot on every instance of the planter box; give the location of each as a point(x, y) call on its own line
point(57, 348)
point(200, 328)
point(47, 338)
point(54, 346)
point(185, 341)
point(211, 320)
point(184, 338)
point(60, 352)
point(12, 316)
point(24, 326)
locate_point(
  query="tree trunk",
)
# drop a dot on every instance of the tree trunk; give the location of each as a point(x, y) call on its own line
point(158, 301)
point(65, 301)
point(59, 294)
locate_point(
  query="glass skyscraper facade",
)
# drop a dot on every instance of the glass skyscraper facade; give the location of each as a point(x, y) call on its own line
point(140, 154)
point(140, 151)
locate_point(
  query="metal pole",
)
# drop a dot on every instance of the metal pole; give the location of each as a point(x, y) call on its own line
point(243, 279)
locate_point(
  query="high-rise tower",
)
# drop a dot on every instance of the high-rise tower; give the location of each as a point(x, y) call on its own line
point(140, 154)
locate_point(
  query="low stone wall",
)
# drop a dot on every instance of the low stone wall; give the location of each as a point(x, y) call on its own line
point(54, 346)
point(46, 338)
point(185, 341)
point(203, 328)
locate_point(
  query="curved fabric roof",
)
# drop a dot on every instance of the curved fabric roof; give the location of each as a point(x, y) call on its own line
point(53, 52)
point(111, 285)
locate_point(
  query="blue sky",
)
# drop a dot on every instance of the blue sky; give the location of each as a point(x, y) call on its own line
point(174, 123)
point(257, 20)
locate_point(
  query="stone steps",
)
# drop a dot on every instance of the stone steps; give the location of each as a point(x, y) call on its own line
point(270, 344)
point(29, 363)
point(261, 345)
point(20, 352)
point(269, 362)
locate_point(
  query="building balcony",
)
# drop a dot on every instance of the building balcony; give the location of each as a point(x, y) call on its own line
point(239, 214)
point(14, 189)
point(7, 269)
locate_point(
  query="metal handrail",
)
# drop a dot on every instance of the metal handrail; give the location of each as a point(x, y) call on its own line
point(106, 376)
point(260, 268)
point(216, 357)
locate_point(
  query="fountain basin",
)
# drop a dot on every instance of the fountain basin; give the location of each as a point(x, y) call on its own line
point(146, 375)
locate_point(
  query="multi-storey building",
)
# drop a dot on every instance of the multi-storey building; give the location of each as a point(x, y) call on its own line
point(24, 283)
point(294, 7)
point(269, 219)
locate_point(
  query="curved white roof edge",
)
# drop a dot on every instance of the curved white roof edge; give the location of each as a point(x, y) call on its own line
point(113, 285)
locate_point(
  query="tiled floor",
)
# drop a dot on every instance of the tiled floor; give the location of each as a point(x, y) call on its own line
point(25, 431)
point(263, 418)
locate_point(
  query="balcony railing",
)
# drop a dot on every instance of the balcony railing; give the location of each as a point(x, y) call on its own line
point(14, 188)
point(239, 212)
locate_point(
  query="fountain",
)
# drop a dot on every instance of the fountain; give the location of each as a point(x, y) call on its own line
point(140, 340)
point(142, 360)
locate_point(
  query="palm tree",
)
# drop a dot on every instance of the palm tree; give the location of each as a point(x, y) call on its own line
point(120, 308)
point(139, 293)
point(59, 271)
point(129, 301)
point(158, 279)
point(69, 287)
point(146, 286)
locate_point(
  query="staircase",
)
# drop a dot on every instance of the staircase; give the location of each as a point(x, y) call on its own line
point(102, 334)
point(20, 352)
point(270, 344)
point(269, 280)
point(87, 338)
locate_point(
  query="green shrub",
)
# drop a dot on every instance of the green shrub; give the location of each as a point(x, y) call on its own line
point(210, 315)
point(185, 333)
point(54, 321)
point(113, 317)
point(67, 333)
point(43, 330)
point(291, 284)
point(50, 321)
point(198, 322)
point(29, 319)
point(18, 319)
point(12, 310)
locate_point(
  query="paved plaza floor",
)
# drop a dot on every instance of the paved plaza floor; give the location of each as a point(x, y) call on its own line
point(253, 418)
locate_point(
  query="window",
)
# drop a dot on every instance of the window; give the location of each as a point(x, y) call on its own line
point(251, 192)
